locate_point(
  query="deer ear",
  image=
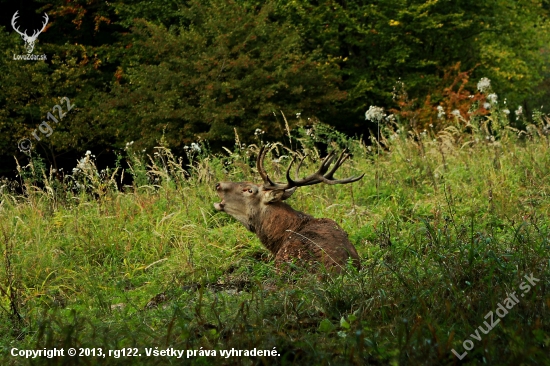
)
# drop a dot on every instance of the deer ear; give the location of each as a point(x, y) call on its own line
point(288, 193)
point(276, 195)
point(273, 195)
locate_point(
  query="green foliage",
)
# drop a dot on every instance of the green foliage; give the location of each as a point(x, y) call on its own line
point(200, 69)
point(379, 43)
point(230, 67)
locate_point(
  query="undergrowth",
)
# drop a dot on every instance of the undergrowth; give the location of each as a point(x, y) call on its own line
point(447, 224)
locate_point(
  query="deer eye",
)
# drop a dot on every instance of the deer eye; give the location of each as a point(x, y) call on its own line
point(250, 190)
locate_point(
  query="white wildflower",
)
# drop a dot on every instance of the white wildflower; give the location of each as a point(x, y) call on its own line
point(88, 152)
point(440, 112)
point(375, 114)
point(506, 111)
point(487, 105)
point(492, 98)
point(195, 147)
point(519, 112)
point(456, 113)
point(84, 163)
point(258, 132)
point(483, 84)
point(298, 115)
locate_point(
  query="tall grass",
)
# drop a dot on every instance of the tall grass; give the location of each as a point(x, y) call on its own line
point(446, 225)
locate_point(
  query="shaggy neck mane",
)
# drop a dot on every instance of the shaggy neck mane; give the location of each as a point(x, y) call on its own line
point(271, 224)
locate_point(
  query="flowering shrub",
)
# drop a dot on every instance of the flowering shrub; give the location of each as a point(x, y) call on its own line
point(452, 102)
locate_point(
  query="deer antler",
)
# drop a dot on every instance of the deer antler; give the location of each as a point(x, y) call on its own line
point(319, 176)
point(13, 19)
point(25, 35)
point(36, 33)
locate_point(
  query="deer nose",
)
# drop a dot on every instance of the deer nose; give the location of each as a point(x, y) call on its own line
point(218, 186)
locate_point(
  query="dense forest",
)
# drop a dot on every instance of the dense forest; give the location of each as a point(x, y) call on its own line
point(189, 71)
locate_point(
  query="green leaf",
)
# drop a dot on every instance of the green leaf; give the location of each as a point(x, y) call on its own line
point(344, 324)
point(325, 326)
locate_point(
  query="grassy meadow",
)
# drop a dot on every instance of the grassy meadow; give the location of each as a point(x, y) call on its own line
point(447, 224)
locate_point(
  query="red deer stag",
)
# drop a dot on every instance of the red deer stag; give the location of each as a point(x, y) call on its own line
point(289, 234)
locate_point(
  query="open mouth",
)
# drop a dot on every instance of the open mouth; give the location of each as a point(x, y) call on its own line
point(219, 206)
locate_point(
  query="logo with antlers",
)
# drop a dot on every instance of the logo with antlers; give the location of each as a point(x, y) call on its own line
point(29, 40)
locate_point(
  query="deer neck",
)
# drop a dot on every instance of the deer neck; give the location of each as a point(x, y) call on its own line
point(273, 223)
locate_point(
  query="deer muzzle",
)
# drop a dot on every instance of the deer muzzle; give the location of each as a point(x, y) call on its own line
point(219, 206)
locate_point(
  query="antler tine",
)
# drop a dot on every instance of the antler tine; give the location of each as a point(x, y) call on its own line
point(36, 31)
point(260, 166)
point(47, 19)
point(290, 181)
point(13, 19)
point(319, 176)
point(342, 181)
point(326, 163)
point(315, 178)
point(299, 166)
point(343, 157)
point(328, 178)
point(46, 23)
point(268, 183)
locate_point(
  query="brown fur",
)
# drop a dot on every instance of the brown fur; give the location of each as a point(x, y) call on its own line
point(290, 235)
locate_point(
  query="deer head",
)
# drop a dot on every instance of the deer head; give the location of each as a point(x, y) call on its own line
point(246, 201)
point(29, 40)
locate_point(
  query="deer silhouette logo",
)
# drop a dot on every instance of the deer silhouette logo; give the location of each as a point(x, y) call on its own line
point(29, 40)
